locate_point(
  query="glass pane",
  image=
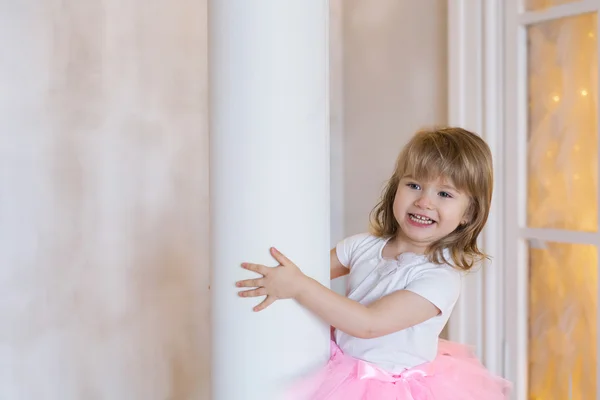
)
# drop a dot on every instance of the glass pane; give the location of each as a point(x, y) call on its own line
point(562, 131)
point(535, 5)
point(562, 321)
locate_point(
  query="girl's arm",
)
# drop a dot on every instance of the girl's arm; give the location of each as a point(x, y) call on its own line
point(391, 313)
point(394, 312)
point(335, 266)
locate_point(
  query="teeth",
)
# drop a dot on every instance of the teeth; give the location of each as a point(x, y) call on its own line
point(420, 220)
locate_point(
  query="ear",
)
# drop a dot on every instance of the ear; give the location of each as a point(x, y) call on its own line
point(466, 216)
point(469, 214)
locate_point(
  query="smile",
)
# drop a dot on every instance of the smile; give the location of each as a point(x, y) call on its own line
point(420, 219)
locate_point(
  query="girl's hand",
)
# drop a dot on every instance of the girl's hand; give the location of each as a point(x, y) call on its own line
point(281, 282)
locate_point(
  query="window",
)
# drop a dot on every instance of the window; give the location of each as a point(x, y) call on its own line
point(529, 84)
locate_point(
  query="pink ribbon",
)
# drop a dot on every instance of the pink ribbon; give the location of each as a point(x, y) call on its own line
point(366, 370)
point(409, 381)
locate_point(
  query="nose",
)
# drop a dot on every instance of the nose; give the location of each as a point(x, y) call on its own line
point(424, 202)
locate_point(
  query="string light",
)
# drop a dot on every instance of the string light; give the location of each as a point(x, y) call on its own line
point(556, 98)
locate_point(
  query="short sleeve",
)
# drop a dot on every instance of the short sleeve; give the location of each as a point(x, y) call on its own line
point(346, 247)
point(440, 285)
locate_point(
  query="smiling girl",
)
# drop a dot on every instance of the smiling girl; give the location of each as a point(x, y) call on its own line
point(404, 279)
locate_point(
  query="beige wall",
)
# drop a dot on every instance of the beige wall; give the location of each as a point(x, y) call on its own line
point(394, 83)
point(104, 200)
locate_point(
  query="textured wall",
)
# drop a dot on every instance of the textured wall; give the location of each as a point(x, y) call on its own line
point(103, 200)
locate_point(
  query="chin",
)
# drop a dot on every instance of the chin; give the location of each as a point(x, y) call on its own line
point(424, 241)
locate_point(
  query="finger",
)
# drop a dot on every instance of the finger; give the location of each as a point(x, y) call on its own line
point(281, 259)
point(260, 269)
point(250, 283)
point(266, 303)
point(253, 292)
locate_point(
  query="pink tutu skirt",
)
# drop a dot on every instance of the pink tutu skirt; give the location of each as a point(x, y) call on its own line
point(455, 374)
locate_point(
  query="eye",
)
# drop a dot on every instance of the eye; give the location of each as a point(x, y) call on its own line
point(445, 194)
point(413, 186)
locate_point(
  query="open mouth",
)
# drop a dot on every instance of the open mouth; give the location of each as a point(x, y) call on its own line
point(420, 219)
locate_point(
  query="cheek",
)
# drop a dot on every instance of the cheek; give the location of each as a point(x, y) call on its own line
point(465, 213)
point(401, 200)
point(397, 198)
point(396, 207)
point(454, 214)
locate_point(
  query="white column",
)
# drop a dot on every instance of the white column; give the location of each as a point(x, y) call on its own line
point(269, 172)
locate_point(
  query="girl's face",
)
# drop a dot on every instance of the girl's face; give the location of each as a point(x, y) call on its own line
point(428, 211)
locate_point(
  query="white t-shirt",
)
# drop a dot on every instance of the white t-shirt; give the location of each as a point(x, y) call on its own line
point(372, 277)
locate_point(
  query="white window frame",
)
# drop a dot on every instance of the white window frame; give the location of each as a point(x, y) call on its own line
point(488, 94)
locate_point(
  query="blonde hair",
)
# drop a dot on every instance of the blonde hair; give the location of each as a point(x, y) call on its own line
point(465, 159)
